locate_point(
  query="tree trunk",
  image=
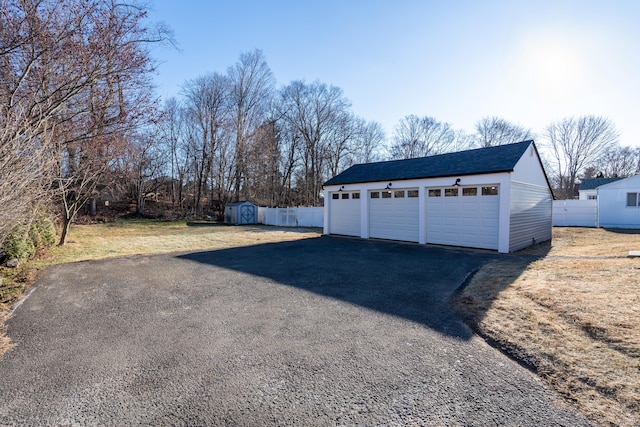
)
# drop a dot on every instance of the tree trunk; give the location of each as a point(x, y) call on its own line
point(65, 230)
point(140, 199)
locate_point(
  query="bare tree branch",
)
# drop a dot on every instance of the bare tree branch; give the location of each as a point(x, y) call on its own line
point(574, 144)
point(421, 136)
point(71, 72)
point(492, 131)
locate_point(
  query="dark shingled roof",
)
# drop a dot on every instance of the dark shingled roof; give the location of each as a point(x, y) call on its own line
point(593, 183)
point(502, 158)
point(238, 203)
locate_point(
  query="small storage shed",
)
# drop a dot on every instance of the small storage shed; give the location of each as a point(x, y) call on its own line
point(493, 198)
point(242, 212)
point(619, 203)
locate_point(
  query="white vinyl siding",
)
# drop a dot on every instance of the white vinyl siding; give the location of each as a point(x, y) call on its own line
point(394, 216)
point(615, 204)
point(530, 219)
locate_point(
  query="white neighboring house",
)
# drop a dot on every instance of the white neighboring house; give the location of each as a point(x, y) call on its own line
point(589, 187)
point(619, 203)
point(493, 198)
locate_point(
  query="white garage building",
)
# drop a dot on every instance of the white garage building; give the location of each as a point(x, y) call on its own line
point(493, 198)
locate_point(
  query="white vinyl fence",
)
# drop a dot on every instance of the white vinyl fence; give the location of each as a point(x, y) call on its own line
point(292, 217)
point(575, 213)
point(566, 213)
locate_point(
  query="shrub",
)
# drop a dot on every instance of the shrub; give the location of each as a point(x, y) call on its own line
point(19, 245)
point(42, 233)
point(23, 242)
point(36, 236)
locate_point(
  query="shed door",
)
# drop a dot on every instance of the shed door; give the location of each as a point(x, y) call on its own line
point(465, 216)
point(344, 213)
point(247, 214)
point(393, 214)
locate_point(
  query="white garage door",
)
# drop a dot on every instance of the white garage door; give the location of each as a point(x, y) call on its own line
point(465, 216)
point(344, 213)
point(394, 214)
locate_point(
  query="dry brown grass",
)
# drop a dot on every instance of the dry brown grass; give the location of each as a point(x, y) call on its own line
point(5, 342)
point(136, 237)
point(573, 315)
point(145, 237)
point(589, 243)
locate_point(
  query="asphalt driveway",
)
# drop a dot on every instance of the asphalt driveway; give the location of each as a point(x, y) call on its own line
point(326, 331)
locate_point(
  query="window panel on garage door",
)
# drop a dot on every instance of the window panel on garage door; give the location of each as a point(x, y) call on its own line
point(393, 214)
point(344, 215)
point(463, 218)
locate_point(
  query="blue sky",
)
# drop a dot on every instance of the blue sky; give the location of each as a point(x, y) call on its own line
point(530, 62)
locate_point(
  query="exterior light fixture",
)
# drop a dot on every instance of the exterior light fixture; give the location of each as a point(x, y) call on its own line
point(388, 187)
point(457, 184)
point(341, 188)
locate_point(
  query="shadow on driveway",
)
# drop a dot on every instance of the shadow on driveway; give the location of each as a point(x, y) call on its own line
point(309, 332)
point(414, 282)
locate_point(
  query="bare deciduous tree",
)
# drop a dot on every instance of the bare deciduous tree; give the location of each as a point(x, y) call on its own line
point(252, 86)
point(491, 131)
point(290, 150)
point(368, 142)
point(463, 140)
point(207, 114)
point(263, 179)
point(575, 143)
point(421, 136)
point(172, 127)
point(340, 142)
point(138, 170)
point(115, 100)
point(70, 72)
point(619, 162)
point(318, 116)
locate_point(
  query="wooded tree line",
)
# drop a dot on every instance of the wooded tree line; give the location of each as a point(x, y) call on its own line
point(306, 133)
point(79, 122)
point(235, 136)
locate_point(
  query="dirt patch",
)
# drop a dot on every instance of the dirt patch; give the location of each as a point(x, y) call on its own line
point(573, 316)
